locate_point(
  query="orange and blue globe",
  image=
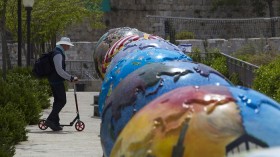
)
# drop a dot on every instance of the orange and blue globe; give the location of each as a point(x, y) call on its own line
point(211, 121)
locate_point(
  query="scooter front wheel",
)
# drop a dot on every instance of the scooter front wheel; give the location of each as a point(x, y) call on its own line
point(80, 126)
point(42, 125)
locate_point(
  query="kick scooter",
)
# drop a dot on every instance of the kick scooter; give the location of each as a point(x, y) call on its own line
point(79, 125)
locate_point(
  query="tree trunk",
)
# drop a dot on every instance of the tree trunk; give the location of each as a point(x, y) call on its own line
point(43, 47)
point(8, 58)
point(3, 37)
point(271, 15)
point(270, 7)
point(53, 42)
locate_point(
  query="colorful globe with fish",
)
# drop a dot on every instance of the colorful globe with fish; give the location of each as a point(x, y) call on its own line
point(132, 62)
point(212, 121)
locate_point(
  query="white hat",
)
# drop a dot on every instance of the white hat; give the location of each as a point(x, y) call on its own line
point(65, 41)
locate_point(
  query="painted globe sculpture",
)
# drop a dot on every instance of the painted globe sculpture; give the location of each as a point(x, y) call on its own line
point(119, 45)
point(132, 62)
point(211, 121)
point(115, 49)
point(107, 41)
point(142, 44)
point(146, 84)
point(101, 48)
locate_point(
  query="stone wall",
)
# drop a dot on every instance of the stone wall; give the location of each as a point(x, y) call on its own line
point(232, 45)
point(81, 51)
point(132, 13)
point(84, 51)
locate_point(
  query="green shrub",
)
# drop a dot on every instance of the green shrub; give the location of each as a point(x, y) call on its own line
point(245, 51)
point(184, 35)
point(214, 59)
point(250, 54)
point(39, 87)
point(12, 129)
point(195, 55)
point(267, 79)
point(5, 94)
point(22, 98)
point(262, 58)
point(26, 93)
point(220, 64)
point(234, 78)
point(7, 152)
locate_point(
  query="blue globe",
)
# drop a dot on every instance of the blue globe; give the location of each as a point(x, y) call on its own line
point(132, 62)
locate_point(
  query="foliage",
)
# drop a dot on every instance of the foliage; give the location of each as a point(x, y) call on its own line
point(214, 59)
point(250, 54)
point(184, 35)
point(234, 78)
point(7, 152)
point(267, 79)
point(262, 58)
point(22, 96)
point(12, 129)
point(20, 99)
point(227, 2)
point(52, 17)
point(259, 6)
point(206, 58)
point(40, 87)
point(195, 54)
point(218, 3)
point(25, 93)
point(219, 64)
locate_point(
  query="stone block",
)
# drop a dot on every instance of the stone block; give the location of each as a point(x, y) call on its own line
point(274, 43)
point(220, 44)
point(235, 44)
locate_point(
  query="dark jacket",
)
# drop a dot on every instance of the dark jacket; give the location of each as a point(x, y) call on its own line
point(54, 77)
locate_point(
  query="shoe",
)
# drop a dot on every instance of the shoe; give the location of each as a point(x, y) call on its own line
point(53, 126)
point(60, 127)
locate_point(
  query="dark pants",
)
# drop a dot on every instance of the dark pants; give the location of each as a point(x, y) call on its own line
point(59, 95)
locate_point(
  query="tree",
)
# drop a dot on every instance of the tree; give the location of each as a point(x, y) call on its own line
point(51, 17)
point(219, 3)
point(3, 7)
point(259, 6)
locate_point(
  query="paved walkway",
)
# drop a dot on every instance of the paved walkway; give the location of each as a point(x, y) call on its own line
point(68, 142)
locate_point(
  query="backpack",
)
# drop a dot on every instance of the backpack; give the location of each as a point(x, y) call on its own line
point(44, 65)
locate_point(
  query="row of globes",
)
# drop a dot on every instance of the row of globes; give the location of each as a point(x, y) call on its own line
point(156, 102)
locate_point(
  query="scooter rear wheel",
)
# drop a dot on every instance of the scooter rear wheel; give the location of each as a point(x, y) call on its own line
point(80, 126)
point(42, 125)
